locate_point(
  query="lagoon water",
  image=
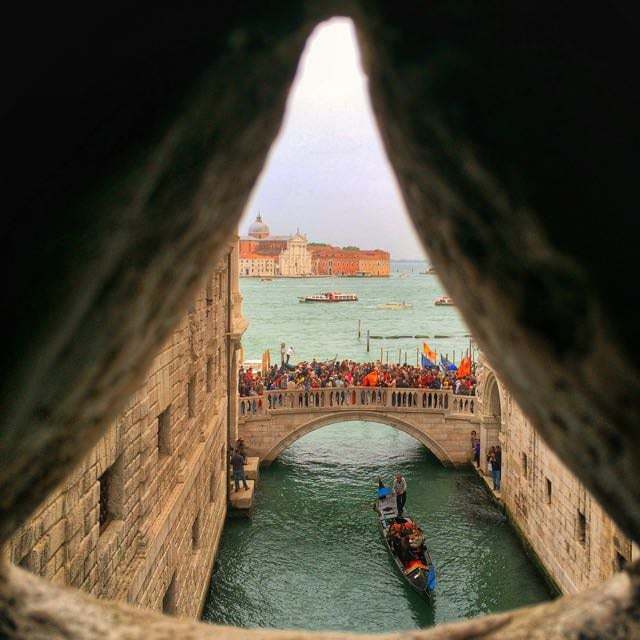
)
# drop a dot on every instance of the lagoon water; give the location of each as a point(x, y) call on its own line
point(324, 331)
point(311, 557)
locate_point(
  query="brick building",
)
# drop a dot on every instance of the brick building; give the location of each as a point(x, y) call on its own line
point(140, 519)
point(327, 260)
point(575, 540)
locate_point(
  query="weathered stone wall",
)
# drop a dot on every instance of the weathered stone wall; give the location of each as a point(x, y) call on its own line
point(574, 539)
point(140, 518)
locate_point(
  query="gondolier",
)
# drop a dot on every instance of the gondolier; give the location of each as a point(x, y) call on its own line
point(406, 543)
point(400, 489)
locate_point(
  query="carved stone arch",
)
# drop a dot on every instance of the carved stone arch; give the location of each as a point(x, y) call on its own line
point(492, 404)
point(388, 420)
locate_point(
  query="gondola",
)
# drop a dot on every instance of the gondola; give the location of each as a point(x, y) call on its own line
point(419, 571)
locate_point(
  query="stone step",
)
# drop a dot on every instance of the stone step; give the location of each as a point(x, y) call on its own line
point(242, 500)
point(251, 468)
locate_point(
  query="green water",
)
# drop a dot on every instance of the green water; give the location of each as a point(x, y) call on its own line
point(311, 556)
point(326, 330)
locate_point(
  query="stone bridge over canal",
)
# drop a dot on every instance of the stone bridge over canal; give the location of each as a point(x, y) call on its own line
point(439, 419)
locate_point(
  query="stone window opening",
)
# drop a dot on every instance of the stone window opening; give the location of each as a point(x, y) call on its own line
point(582, 528)
point(111, 495)
point(619, 562)
point(164, 432)
point(549, 490)
point(170, 598)
point(195, 533)
point(191, 397)
point(375, 82)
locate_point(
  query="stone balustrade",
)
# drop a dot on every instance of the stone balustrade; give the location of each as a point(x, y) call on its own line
point(384, 399)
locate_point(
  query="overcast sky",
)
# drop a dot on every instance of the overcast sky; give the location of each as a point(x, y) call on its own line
point(327, 172)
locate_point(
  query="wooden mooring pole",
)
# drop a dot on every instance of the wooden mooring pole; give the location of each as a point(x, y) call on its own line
point(367, 340)
point(359, 321)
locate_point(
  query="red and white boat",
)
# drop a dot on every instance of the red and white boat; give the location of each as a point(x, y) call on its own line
point(331, 296)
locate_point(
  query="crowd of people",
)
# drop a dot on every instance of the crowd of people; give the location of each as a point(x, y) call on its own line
point(347, 373)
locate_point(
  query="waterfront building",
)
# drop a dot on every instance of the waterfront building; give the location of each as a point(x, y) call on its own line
point(349, 261)
point(374, 263)
point(264, 255)
point(140, 518)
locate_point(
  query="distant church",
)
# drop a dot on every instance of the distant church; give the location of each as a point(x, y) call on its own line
point(264, 255)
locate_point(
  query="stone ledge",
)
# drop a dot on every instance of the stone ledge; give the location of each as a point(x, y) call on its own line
point(31, 608)
point(242, 500)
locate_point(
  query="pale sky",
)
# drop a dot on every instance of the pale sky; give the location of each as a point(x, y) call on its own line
point(327, 172)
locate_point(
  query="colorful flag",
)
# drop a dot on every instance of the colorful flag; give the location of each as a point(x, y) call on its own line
point(446, 365)
point(429, 352)
point(426, 363)
point(465, 368)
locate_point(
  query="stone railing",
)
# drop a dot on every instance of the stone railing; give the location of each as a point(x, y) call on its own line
point(383, 399)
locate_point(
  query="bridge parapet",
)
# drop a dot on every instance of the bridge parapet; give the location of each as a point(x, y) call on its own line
point(384, 399)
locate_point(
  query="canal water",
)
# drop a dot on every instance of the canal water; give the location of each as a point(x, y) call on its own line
point(311, 557)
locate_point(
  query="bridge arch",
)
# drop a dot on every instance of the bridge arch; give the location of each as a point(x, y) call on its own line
point(358, 416)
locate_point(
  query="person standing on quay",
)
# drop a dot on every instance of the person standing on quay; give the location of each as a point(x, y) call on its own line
point(400, 489)
point(237, 464)
point(496, 468)
point(289, 353)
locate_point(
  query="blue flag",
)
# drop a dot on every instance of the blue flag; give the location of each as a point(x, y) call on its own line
point(426, 363)
point(447, 365)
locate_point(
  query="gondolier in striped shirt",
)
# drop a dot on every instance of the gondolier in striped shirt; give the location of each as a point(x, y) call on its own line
point(400, 489)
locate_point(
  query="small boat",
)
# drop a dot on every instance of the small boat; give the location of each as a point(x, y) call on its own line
point(419, 571)
point(331, 296)
point(267, 279)
point(444, 301)
point(395, 305)
point(429, 272)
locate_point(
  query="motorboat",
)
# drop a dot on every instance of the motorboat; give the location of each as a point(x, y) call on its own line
point(417, 567)
point(429, 272)
point(395, 305)
point(444, 301)
point(331, 296)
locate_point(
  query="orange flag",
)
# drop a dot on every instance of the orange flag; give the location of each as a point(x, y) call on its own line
point(464, 369)
point(429, 352)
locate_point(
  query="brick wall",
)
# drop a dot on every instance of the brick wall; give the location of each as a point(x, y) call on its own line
point(140, 519)
point(574, 539)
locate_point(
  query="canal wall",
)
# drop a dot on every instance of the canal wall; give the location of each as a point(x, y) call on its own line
point(571, 535)
point(140, 519)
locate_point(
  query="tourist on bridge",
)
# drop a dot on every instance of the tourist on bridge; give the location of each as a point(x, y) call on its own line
point(237, 464)
point(400, 489)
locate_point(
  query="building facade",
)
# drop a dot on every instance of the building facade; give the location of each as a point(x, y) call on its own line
point(350, 261)
point(264, 255)
point(575, 540)
point(140, 519)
